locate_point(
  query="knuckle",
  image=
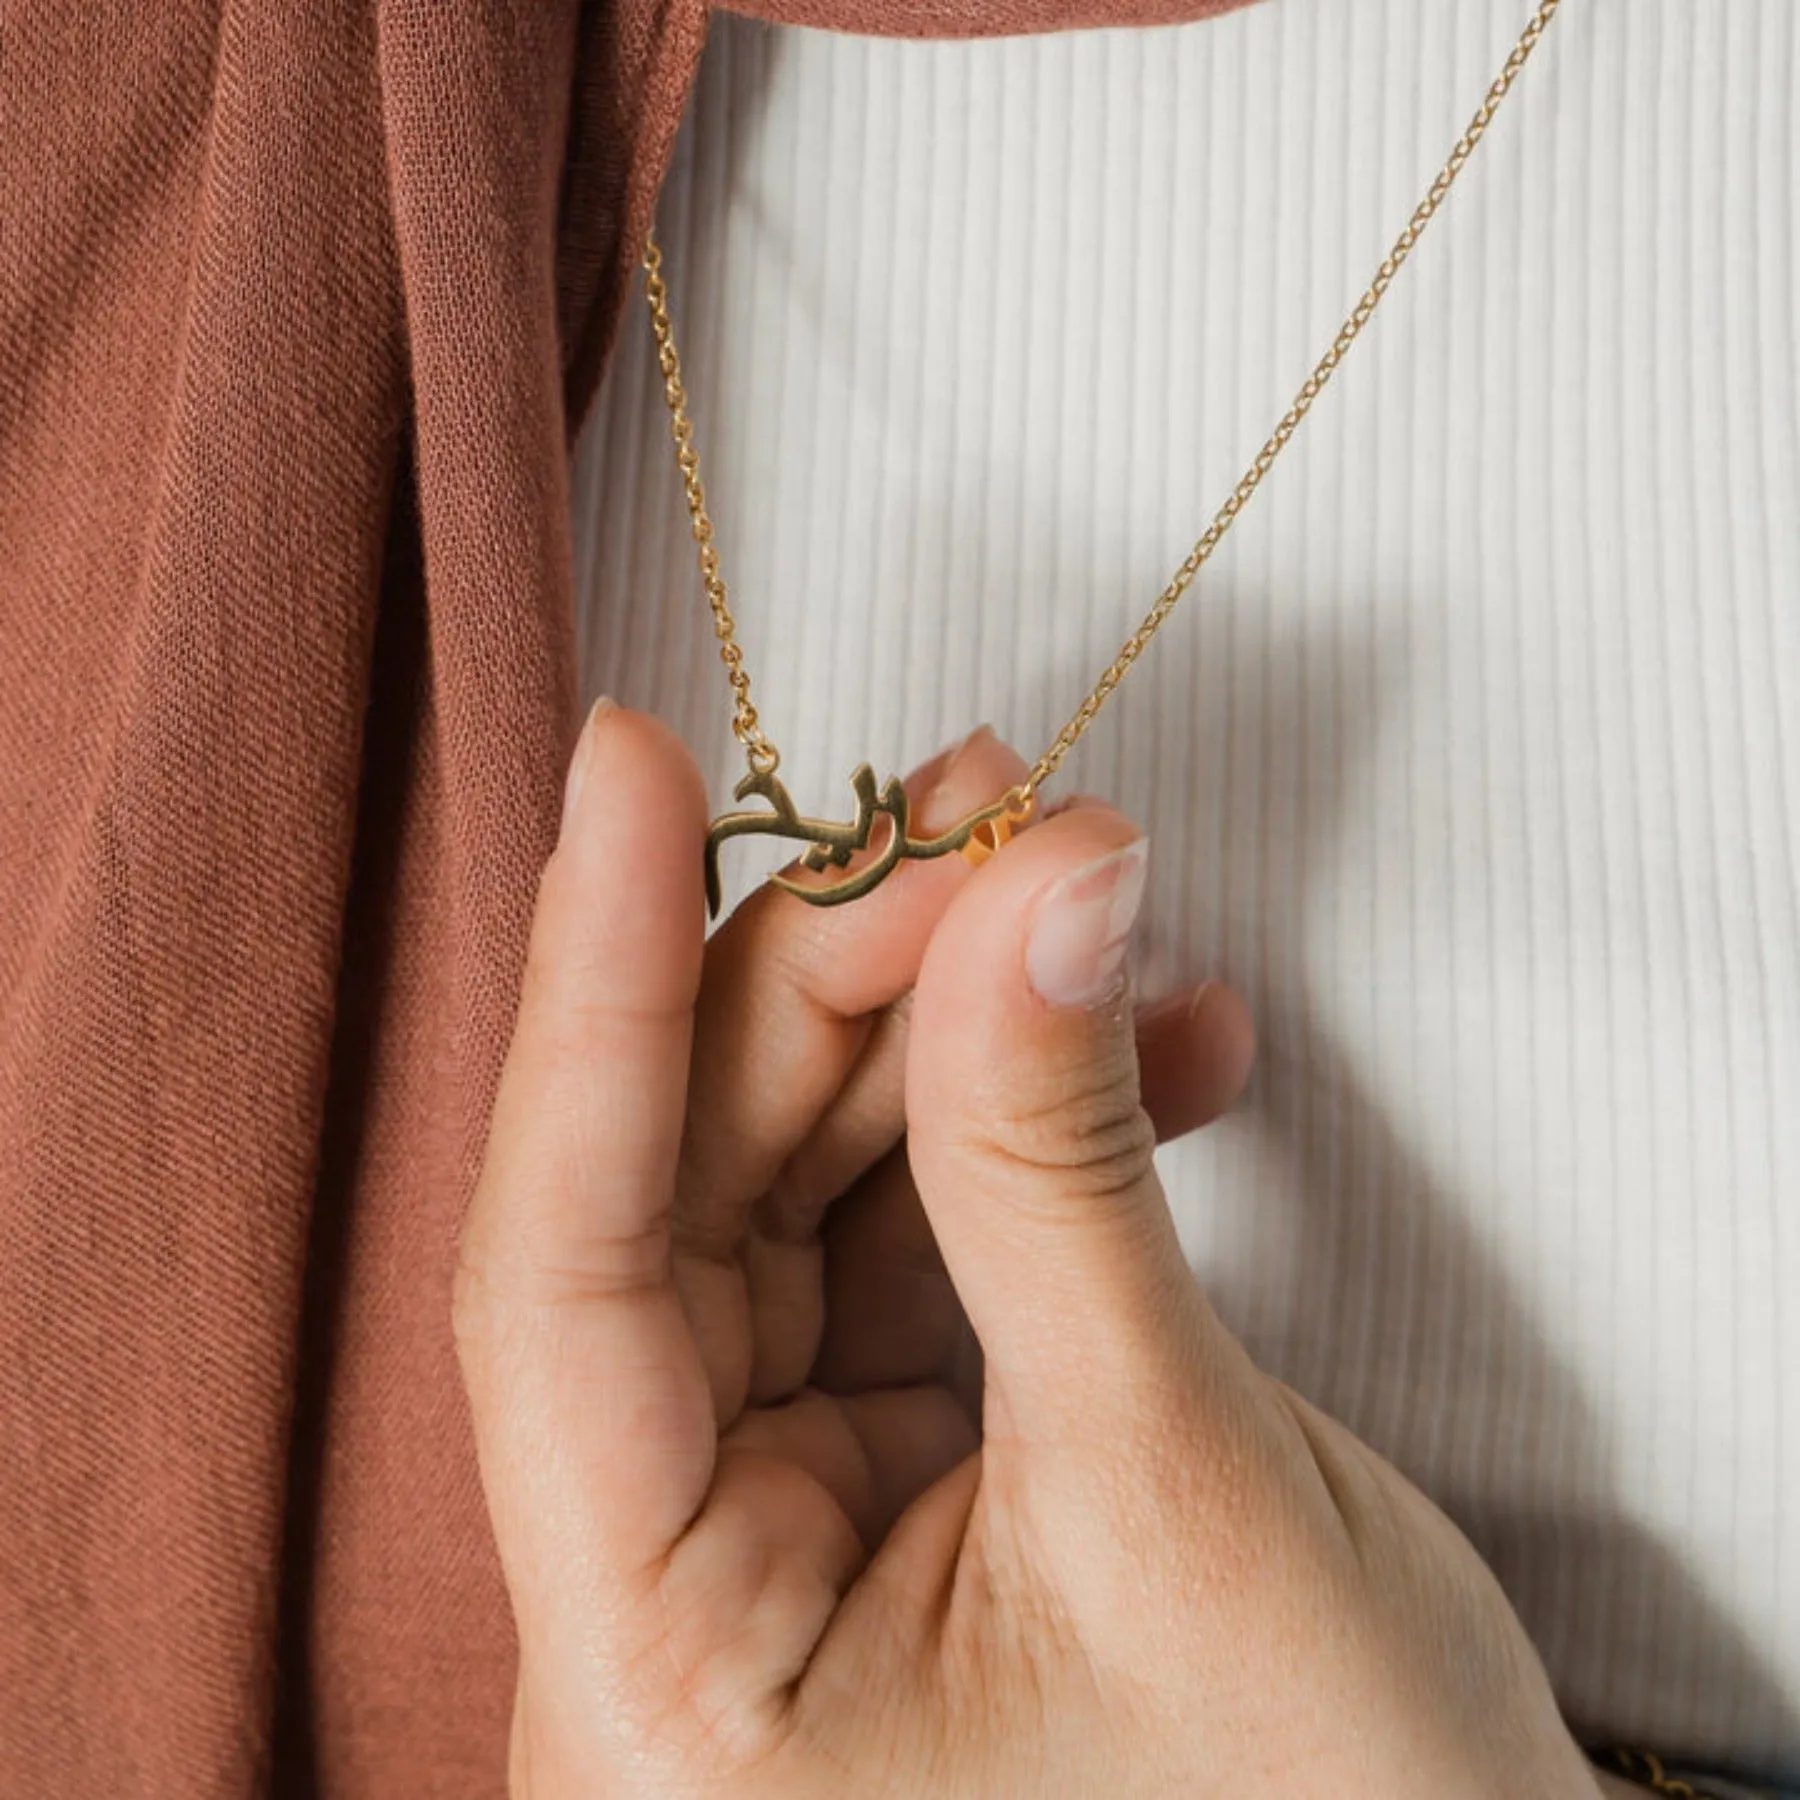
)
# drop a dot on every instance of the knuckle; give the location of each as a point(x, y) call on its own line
point(471, 1301)
point(1084, 1125)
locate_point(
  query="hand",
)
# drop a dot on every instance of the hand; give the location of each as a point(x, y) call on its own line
point(770, 1526)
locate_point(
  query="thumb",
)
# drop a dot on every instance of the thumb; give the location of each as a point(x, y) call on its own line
point(1031, 1152)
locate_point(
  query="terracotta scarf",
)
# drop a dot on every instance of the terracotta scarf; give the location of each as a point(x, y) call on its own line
point(300, 305)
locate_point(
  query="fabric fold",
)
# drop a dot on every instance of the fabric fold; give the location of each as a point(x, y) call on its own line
point(300, 307)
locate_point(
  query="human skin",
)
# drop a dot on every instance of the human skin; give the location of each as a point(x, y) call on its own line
point(849, 1418)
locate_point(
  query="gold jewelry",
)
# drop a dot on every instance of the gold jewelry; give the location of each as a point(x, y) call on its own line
point(984, 831)
point(1647, 1771)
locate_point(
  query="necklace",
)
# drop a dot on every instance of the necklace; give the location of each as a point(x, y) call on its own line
point(1647, 1770)
point(833, 845)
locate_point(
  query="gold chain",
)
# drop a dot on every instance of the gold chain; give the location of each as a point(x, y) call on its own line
point(765, 759)
point(1648, 1772)
point(1197, 558)
point(763, 755)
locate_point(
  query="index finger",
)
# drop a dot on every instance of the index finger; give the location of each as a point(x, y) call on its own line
point(593, 1418)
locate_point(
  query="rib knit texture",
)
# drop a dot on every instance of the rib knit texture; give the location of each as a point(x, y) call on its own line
point(1474, 759)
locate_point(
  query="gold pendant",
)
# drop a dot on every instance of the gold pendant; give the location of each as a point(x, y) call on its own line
point(831, 845)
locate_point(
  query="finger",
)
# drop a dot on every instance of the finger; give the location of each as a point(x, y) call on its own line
point(812, 1486)
point(590, 1405)
point(894, 1618)
point(1196, 1048)
point(865, 1119)
point(1196, 1045)
point(1029, 1140)
point(892, 1315)
point(790, 998)
point(873, 1453)
point(912, 1437)
point(789, 993)
point(745, 1597)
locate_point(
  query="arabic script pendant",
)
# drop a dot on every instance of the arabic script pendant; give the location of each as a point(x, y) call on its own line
point(831, 845)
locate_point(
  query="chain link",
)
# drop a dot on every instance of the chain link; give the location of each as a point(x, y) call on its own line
point(1648, 1772)
point(764, 756)
point(1201, 554)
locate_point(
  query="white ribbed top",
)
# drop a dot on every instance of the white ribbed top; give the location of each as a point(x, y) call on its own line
point(1474, 760)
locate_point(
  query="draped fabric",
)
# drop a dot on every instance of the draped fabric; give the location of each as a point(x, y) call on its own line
point(299, 307)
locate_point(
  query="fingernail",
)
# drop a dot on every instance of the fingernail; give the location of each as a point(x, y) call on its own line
point(584, 755)
point(1074, 803)
point(943, 765)
point(1081, 932)
point(1184, 1003)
